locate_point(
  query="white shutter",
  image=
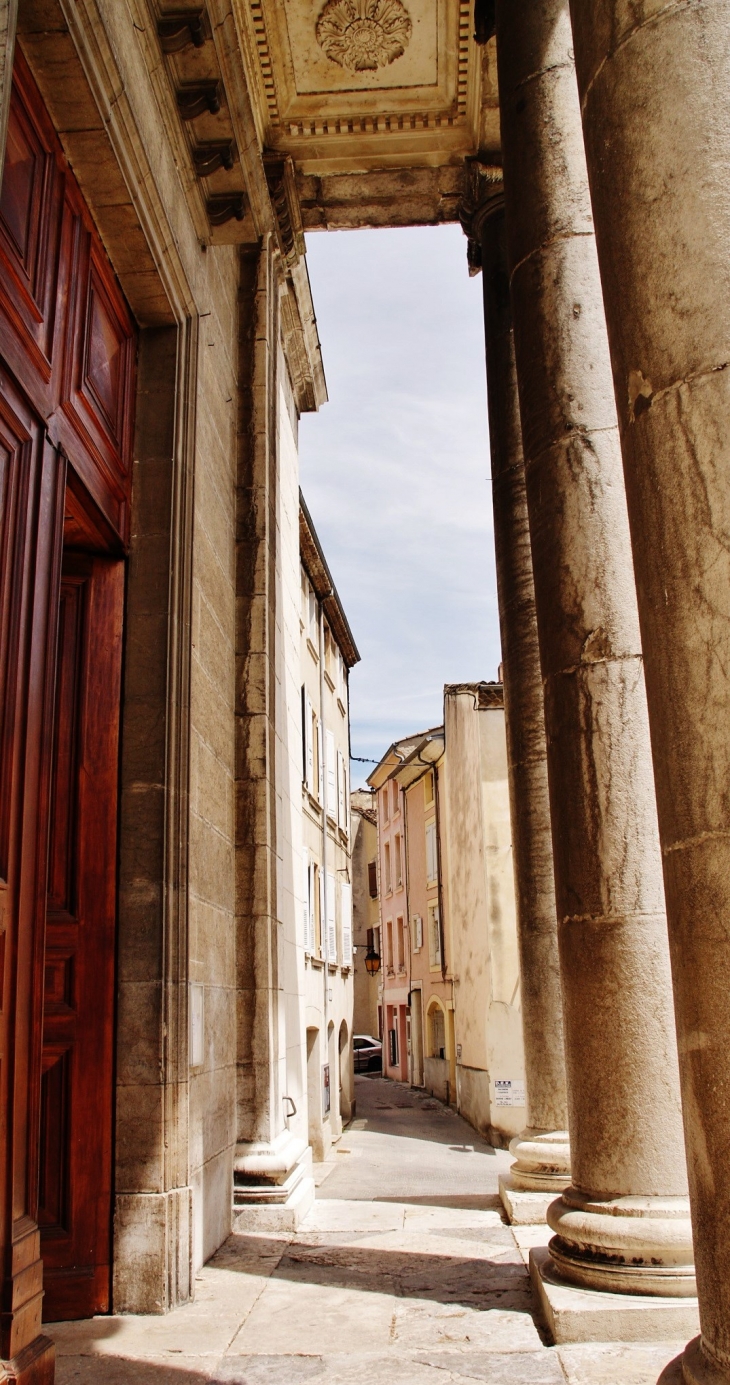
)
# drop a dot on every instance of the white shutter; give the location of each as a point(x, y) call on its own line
point(331, 933)
point(417, 933)
point(322, 921)
point(341, 790)
point(431, 872)
point(331, 781)
point(309, 748)
point(346, 916)
point(320, 751)
point(306, 900)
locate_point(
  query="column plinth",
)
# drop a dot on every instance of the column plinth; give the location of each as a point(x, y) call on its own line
point(622, 1226)
point(542, 1150)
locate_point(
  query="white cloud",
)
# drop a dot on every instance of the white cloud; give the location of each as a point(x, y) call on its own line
point(395, 470)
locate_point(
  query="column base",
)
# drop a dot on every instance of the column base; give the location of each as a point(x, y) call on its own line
point(589, 1315)
point(523, 1207)
point(623, 1245)
point(35, 1365)
point(694, 1367)
point(273, 1188)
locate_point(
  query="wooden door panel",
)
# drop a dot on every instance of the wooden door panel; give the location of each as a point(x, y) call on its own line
point(31, 519)
point(77, 1089)
point(31, 209)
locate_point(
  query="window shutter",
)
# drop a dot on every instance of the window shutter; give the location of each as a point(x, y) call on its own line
point(417, 933)
point(346, 914)
point(320, 752)
point(431, 871)
point(341, 790)
point(309, 748)
point(331, 933)
point(331, 781)
point(322, 922)
point(373, 879)
point(306, 901)
point(304, 734)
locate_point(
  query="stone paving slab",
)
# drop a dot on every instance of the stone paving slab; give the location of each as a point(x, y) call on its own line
point(424, 1284)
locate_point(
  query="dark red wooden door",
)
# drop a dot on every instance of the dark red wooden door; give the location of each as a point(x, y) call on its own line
point(67, 363)
point(75, 1180)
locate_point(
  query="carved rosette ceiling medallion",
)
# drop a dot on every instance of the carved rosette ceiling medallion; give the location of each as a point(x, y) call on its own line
point(363, 35)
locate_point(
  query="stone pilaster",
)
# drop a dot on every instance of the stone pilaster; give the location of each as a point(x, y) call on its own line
point(623, 1225)
point(656, 123)
point(542, 1152)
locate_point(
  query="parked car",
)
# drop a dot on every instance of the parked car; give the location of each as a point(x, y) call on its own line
point(368, 1053)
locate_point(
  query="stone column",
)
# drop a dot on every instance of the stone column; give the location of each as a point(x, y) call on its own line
point(656, 120)
point(542, 1151)
point(624, 1223)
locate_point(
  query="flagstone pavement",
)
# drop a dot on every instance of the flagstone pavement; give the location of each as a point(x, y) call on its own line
point(404, 1272)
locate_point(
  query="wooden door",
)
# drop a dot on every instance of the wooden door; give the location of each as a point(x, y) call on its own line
point(67, 368)
point(75, 1173)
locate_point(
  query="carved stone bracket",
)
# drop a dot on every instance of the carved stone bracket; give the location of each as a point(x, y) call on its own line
point(212, 155)
point(193, 98)
point(285, 202)
point(229, 206)
point(178, 28)
point(483, 189)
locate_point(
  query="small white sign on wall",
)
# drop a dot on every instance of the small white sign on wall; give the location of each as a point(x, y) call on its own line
point(509, 1092)
point(197, 1037)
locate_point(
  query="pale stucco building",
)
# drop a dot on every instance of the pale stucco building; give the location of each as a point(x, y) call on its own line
point(365, 911)
point(158, 345)
point(328, 653)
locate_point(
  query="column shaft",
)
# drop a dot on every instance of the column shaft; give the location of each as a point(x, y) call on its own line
point(654, 83)
point(624, 1223)
point(542, 1151)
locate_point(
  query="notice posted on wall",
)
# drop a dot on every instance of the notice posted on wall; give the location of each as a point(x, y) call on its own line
point(508, 1092)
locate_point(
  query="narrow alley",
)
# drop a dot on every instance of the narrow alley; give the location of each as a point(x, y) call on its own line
point(404, 1270)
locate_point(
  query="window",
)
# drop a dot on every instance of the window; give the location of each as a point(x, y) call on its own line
point(431, 852)
point(341, 791)
point(434, 935)
point(400, 939)
point(331, 776)
point(312, 622)
point(396, 798)
point(384, 799)
point(307, 902)
point(307, 742)
point(437, 1032)
point(373, 879)
point(428, 788)
point(346, 923)
point(388, 877)
point(331, 928)
point(389, 947)
point(417, 932)
point(398, 862)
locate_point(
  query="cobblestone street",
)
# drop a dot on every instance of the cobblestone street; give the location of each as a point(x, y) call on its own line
point(404, 1271)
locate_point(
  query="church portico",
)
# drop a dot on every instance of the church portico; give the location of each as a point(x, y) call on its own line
point(158, 348)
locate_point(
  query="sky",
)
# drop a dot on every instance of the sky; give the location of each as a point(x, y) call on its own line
point(395, 471)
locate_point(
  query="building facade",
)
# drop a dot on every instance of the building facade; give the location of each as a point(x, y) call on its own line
point(365, 911)
point(157, 347)
point(327, 654)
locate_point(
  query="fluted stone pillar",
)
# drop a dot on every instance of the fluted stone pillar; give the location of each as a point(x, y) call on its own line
point(623, 1225)
point(542, 1152)
point(656, 116)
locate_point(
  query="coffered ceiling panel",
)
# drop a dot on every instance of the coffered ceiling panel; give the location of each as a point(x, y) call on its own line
point(350, 85)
